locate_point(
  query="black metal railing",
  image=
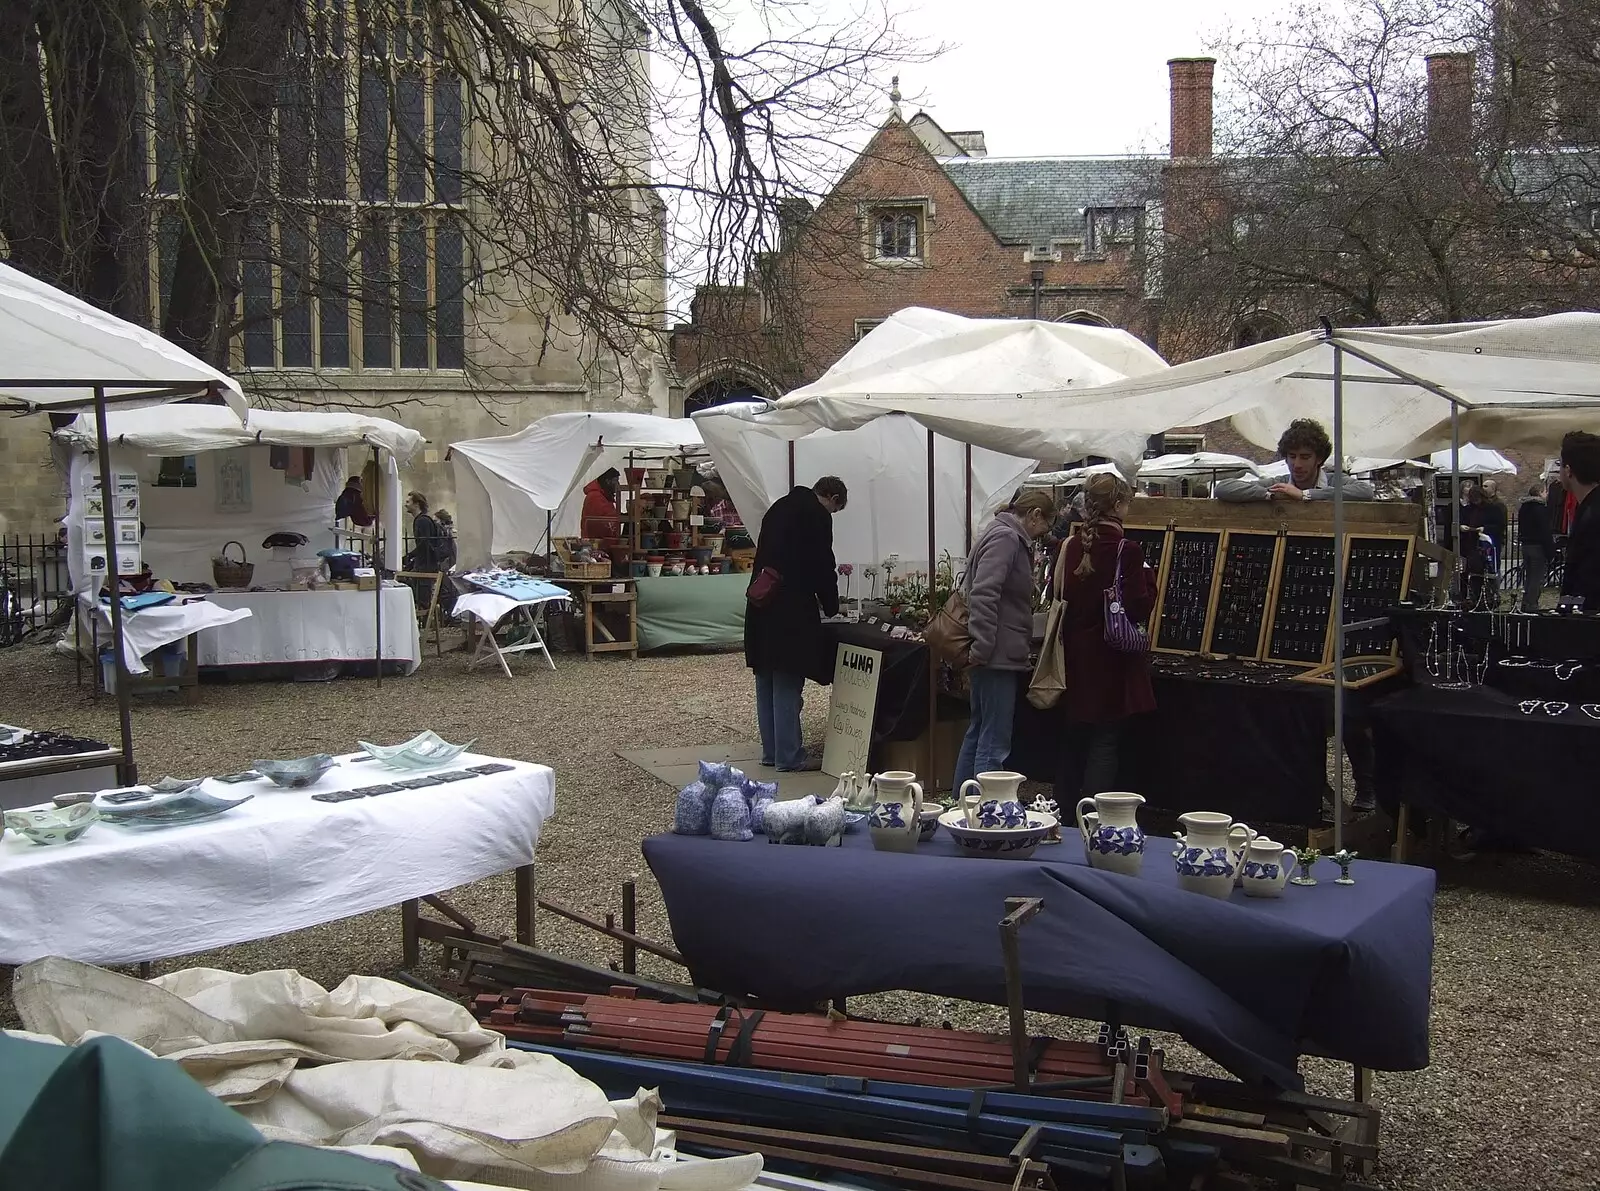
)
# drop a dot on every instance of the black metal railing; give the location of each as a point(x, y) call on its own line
point(35, 588)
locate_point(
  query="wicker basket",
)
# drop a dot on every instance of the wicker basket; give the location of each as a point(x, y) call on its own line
point(228, 573)
point(580, 570)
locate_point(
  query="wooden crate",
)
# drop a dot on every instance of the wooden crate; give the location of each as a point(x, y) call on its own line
point(580, 570)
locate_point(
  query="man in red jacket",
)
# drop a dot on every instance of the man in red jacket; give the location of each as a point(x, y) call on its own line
point(600, 516)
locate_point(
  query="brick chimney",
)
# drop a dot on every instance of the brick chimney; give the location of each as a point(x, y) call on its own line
point(1450, 100)
point(1189, 80)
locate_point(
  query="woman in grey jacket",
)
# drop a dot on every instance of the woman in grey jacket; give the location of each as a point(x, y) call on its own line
point(1000, 601)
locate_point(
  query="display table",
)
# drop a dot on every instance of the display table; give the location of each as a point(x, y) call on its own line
point(1342, 971)
point(692, 610)
point(326, 625)
point(616, 599)
point(1474, 757)
point(490, 609)
point(281, 862)
point(148, 629)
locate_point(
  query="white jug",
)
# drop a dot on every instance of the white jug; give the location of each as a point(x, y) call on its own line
point(1266, 867)
point(897, 803)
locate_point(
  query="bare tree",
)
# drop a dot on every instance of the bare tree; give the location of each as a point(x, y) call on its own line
point(1356, 180)
point(322, 179)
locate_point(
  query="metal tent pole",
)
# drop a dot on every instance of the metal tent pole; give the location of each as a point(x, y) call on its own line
point(1338, 598)
point(128, 772)
point(969, 499)
point(1455, 504)
point(931, 780)
point(377, 565)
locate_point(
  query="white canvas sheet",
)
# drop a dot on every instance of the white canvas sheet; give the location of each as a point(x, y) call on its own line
point(508, 487)
point(313, 626)
point(1523, 383)
point(1475, 461)
point(149, 629)
point(47, 335)
point(190, 429)
point(281, 862)
point(884, 464)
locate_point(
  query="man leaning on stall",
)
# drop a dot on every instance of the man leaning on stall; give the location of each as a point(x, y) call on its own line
point(1305, 447)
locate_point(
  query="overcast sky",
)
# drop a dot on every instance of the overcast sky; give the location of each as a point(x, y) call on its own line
point(1059, 77)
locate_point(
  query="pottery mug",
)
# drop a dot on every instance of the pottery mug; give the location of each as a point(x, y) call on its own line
point(995, 799)
point(1265, 868)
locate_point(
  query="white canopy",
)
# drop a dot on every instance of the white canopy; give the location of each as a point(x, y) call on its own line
point(190, 429)
point(184, 527)
point(884, 464)
point(1197, 464)
point(1072, 475)
point(967, 379)
point(1520, 383)
point(55, 350)
point(1475, 461)
point(1353, 465)
point(507, 487)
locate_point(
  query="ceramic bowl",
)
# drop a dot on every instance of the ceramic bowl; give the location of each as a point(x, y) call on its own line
point(426, 750)
point(53, 824)
point(928, 821)
point(1009, 843)
point(74, 798)
point(295, 774)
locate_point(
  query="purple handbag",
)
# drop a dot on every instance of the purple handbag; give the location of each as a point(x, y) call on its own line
point(1121, 633)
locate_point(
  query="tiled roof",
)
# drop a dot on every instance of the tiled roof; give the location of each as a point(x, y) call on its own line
point(1031, 200)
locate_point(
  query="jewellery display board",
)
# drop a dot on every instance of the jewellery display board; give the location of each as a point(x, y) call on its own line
point(1358, 672)
point(1377, 576)
point(1244, 593)
point(1301, 614)
point(1184, 616)
point(1152, 543)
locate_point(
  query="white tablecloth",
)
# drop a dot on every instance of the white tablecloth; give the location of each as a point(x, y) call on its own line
point(491, 607)
point(149, 629)
point(313, 626)
point(280, 862)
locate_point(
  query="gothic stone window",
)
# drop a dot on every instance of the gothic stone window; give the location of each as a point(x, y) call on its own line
point(1105, 227)
point(897, 233)
point(359, 260)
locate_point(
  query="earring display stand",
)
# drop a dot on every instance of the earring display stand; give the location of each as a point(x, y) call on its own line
point(1377, 576)
point(1245, 591)
point(1187, 602)
point(1152, 543)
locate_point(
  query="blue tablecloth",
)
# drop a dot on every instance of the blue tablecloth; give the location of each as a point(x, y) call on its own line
point(1343, 971)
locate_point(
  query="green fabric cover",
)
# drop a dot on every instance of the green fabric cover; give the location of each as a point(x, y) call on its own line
point(692, 610)
point(104, 1116)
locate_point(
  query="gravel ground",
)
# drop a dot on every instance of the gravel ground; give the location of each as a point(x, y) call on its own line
point(1514, 1020)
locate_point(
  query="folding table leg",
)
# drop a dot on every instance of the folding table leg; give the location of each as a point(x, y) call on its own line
point(525, 904)
point(410, 943)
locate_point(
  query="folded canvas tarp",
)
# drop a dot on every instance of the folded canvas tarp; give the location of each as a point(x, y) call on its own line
point(55, 349)
point(190, 429)
point(1518, 383)
point(509, 489)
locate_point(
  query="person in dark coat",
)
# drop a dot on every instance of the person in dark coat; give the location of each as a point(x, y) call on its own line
point(424, 555)
point(351, 504)
point(1580, 474)
point(783, 640)
point(1103, 686)
point(1538, 545)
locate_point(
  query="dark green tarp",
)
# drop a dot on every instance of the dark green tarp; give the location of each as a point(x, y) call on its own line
point(104, 1116)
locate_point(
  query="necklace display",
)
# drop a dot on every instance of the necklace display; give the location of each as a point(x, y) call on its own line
point(1562, 670)
point(1549, 707)
point(1592, 710)
point(1456, 671)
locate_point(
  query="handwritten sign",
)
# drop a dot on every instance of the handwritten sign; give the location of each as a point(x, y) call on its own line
point(851, 709)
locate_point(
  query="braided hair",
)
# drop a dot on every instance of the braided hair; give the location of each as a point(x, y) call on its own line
point(1101, 496)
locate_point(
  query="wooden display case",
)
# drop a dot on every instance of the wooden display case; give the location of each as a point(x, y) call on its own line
point(1246, 588)
point(1358, 672)
point(1300, 627)
point(1377, 570)
point(1182, 621)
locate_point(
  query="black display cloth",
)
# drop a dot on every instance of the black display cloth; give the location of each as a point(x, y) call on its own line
point(1548, 637)
point(1476, 758)
point(1342, 971)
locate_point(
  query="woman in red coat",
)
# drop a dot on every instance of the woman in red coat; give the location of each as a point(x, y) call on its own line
point(1103, 686)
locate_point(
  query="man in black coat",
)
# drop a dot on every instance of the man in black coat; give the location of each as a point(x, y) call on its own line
point(783, 638)
point(1538, 545)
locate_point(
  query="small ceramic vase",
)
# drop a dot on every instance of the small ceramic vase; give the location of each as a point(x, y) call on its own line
point(1306, 858)
point(1212, 848)
point(1342, 858)
point(1112, 837)
point(896, 808)
point(1266, 867)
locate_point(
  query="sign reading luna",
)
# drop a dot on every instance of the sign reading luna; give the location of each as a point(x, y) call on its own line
point(851, 709)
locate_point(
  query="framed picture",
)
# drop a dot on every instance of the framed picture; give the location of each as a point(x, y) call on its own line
point(128, 560)
point(91, 484)
point(94, 532)
point(95, 561)
point(94, 506)
point(127, 533)
point(233, 481)
point(128, 481)
point(127, 505)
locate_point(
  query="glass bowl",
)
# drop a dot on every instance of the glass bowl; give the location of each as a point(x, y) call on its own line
point(53, 824)
point(297, 773)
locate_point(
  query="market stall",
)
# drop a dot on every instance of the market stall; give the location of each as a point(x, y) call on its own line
point(1350, 966)
point(280, 861)
point(62, 355)
point(190, 488)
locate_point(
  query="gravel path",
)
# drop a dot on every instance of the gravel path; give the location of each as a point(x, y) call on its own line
point(1505, 1104)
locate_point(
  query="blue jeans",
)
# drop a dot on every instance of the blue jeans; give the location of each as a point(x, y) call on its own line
point(988, 740)
point(778, 703)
